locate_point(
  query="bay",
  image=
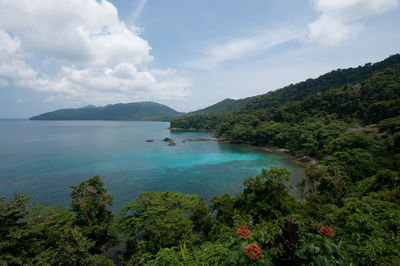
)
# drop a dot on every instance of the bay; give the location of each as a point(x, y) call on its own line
point(44, 158)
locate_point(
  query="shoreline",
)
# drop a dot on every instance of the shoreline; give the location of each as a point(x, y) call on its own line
point(301, 160)
point(188, 129)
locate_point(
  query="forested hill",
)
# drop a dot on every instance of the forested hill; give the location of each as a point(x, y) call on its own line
point(225, 106)
point(139, 111)
point(335, 78)
point(271, 101)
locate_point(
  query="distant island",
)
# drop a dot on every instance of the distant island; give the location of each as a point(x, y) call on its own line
point(138, 111)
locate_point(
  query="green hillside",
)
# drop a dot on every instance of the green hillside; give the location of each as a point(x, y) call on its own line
point(351, 123)
point(225, 106)
point(300, 126)
point(139, 111)
point(335, 78)
point(288, 94)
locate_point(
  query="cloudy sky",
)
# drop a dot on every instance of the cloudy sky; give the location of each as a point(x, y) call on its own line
point(187, 54)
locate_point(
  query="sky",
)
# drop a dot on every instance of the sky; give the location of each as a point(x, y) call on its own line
point(187, 54)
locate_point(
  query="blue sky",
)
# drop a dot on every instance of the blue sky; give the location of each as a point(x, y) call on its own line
point(185, 54)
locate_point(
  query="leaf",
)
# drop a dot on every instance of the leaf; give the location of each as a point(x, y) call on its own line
point(321, 261)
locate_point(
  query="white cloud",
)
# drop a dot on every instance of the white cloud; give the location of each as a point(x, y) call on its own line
point(105, 85)
point(340, 18)
point(87, 32)
point(101, 60)
point(16, 69)
point(8, 45)
point(11, 64)
point(242, 48)
point(163, 72)
point(4, 83)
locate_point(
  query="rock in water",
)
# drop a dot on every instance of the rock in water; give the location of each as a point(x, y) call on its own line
point(168, 139)
point(171, 143)
point(149, 140)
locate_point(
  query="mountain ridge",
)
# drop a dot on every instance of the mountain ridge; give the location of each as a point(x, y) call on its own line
point(226, 105)
point(298, 91)
point(136, 111)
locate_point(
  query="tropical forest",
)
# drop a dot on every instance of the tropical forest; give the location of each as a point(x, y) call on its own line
point(345, 211)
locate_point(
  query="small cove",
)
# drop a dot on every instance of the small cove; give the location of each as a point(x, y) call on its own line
point(44, 158)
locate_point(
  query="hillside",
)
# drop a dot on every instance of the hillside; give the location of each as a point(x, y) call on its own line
point(307, 127)
point(335, 78)
point(139, 111)
point(353, 128)
point(289, 94)
point(225, 106)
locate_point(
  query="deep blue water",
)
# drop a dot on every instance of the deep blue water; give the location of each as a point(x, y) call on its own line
point(44, 158)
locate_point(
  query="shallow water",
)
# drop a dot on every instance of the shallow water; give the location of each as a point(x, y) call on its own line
point(44, 158)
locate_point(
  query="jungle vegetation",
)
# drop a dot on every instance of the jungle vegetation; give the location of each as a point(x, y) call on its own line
point(347, 214)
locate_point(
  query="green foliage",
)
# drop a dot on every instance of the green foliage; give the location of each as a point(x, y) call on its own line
point(336, 78)
point(201, 219)
point(356, 163)
point(211, 253)
point(266, 197)
point(320, 250)
point(208, 254)
point(34, 235)
point(89, 203)
point(315, 97)
point(134, 250)
point(72, 248)
point(369, 227)
point(349, 119)
point(139, 111)
point(164, 218)
point(197, 122)
point(325, 182)
point(15, 235)
point(225, 106)
point(237, 251)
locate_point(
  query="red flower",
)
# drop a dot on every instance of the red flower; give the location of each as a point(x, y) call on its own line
point(243, 232)
point(252, 251)
point(327, 231)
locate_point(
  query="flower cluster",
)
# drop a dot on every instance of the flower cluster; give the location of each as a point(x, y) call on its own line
point(326, 231)
point(252, 251)
point(243, 232)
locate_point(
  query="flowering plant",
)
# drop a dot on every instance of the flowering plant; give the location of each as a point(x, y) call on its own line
point(243, 232)
point(252, 251)
point(326, 231)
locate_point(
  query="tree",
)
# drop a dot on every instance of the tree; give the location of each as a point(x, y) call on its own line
point(266, 196)
point(163, 217)
point(72, 248)
point(89, 203)
point(15, 236)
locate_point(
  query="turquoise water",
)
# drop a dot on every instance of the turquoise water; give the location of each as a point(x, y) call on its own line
point(44, 158)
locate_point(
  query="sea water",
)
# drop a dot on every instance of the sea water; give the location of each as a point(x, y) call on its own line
point(44, 158)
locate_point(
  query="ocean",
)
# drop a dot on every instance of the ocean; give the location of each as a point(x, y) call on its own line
point(44, 158)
